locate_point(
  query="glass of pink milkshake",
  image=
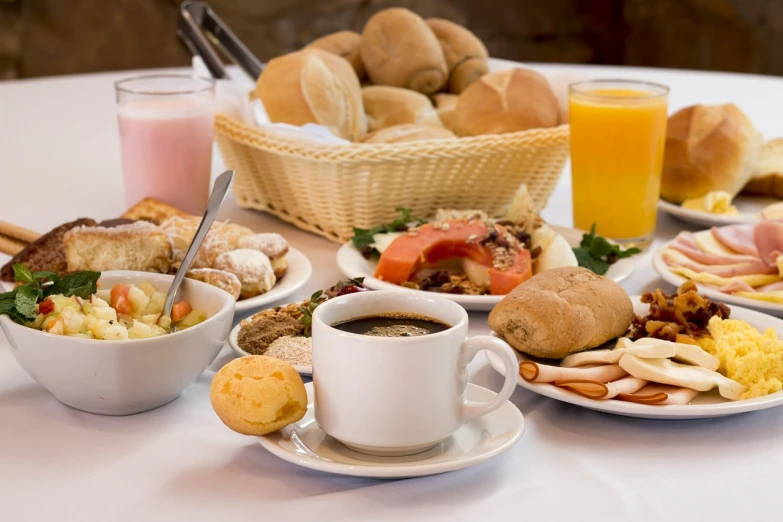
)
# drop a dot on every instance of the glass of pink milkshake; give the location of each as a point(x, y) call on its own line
point(166, 132)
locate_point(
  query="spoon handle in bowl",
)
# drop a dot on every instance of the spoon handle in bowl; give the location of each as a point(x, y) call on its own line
point(219, 191)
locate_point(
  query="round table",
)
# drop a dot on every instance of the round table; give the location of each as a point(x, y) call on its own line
point(59, 160)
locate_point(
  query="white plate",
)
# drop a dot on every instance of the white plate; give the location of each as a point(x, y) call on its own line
point(676, 279)
point(305, 444)
point(297, 275)
point(353, 264)
point(705, 405)
point(748, 206)
point(234, 345)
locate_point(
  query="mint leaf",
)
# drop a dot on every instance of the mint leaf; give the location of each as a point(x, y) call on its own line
point(364, 236)
point(600, 247)
point(8, 302)
point(620, 253)
point(22, 274)
point(51, 276)
point(585, 260)
point(81, 284)
point(25, 301)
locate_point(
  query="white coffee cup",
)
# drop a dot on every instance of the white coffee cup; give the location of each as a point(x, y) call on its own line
point(397, 395)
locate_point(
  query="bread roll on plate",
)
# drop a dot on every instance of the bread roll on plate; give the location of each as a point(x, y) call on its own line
point(767, 177)
point(313, 86)
point(506, 101)
point(345, 44)
point(407, 132)
point(562, 311)
point(708, 148)
point(386, 106)
point(465, 54)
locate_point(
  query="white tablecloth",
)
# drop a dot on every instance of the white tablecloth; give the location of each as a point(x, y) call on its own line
point(59, 159)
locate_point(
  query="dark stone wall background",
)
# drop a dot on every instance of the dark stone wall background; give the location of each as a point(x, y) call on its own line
point(49, 37)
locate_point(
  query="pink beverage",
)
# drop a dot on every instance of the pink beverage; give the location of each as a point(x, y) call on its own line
point(166, 130)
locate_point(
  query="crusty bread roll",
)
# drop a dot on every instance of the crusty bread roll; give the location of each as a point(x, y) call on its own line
point(562, 311)
point(407, 132)
point(256, 395)
point(506, 101)
point(386, 106)
point(345, 44)
point(446, 106)
point(313, 86)
point(767, 177)
point(466, 56)
point(399, 49)
point(708, 148)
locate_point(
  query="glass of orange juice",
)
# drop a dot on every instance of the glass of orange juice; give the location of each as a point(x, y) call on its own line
point(618, 131)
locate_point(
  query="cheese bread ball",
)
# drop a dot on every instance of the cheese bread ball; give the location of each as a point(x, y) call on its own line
point(274, 246)
point(253, 269)
point(256, 395)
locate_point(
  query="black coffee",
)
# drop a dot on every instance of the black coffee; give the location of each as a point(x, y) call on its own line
point(392, 325)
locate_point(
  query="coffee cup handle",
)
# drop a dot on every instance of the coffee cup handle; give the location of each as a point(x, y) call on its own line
point(474, 345)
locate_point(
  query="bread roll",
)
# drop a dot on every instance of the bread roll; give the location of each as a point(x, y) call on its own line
point(313, 86)
point(767, 177)
point(407, 132)
point(708, 148)
point(506, 101)
point(446, 107)
point(256, 395)
point(399, 49)
point(465, 54)
point(386, 106)
point(562, 311)
point(345, 44)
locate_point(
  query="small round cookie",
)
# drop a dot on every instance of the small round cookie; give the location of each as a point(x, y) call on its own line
point(274, 246)
point(219, 278)
point(182, 230)
point(256, 395)
point(253, 269)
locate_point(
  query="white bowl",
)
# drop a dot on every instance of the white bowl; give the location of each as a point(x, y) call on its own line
point(126, 377)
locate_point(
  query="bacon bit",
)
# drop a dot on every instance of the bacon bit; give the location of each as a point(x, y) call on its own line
point(46, 307)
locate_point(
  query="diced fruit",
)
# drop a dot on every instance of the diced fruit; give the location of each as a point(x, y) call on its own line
point(150, 318)
point(98, 328)
point(115, 332)
point(148, 288)
point(104, 295)
point(192, 319)
point(180, 310)
point(99, 302)
point(87, 335)
point(138, 299)
point(140, 330)
point(46, 307)
point(55, 327)
point(86, 307)
point(120, 300)
point(61, 302)
point(155, 305)
point(164, 322)
point(105, 314)
point(73, 323)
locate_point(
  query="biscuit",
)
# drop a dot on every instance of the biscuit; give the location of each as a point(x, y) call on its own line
point(182, 230)
point(256, 395)
point(253, 269)
point(272, 245)
point(219, 278)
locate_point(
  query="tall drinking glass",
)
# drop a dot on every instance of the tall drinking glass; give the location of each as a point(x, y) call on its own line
point(166, 124)
point(618, 131)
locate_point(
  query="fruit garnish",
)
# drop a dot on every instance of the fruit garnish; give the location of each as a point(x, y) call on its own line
point(596, 253)
point(363, 237)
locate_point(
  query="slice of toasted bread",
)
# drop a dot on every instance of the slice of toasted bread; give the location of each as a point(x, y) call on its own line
point(151, 209)
point(45, 253)
point(139, 246)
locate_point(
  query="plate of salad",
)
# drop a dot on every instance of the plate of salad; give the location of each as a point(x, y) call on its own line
point(471, 258)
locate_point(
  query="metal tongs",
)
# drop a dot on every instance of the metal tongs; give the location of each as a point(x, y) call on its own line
point(200, 28)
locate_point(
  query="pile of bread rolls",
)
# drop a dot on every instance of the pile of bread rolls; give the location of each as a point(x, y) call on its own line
point(404, 78)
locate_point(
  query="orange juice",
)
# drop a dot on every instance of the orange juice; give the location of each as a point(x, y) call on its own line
point(618, 131)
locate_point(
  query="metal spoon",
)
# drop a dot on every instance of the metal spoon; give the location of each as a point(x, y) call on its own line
point(219, 190)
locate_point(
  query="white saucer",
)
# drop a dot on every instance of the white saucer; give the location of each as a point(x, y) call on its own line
point(234, 345)
point(705, 405)
point(670, 277)
point(352, 264)
point(748, 206)
point(305, 444)
point(297, 275)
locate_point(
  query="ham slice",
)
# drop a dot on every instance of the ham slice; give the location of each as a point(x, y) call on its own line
point(740, 286)
point(676, 259)
point(768, 236)
point(738, 238)
point(686, 244)
point(534, 372)
point(602, 391)
point(660, 394)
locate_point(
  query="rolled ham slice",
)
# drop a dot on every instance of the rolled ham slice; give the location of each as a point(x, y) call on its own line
point(685, 243)
point(676, 259)
point(601, 391)
point(738, 238)
point(660, 394)
point(534, 372)
point(768, 236)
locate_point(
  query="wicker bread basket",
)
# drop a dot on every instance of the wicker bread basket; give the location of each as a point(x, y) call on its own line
point(328, 189)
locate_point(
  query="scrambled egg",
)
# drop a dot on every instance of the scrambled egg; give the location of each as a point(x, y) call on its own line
point(746, 356)
point(716, 202)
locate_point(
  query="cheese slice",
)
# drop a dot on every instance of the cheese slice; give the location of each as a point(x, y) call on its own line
point(753, 280)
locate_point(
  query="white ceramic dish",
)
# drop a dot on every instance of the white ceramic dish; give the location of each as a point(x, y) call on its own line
point(667, 275)
point(305, 444)
point(232, 342)
point(125, 377)
point(297, 275)
point(748, 206)
point(705, 405)
point(353, 264)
